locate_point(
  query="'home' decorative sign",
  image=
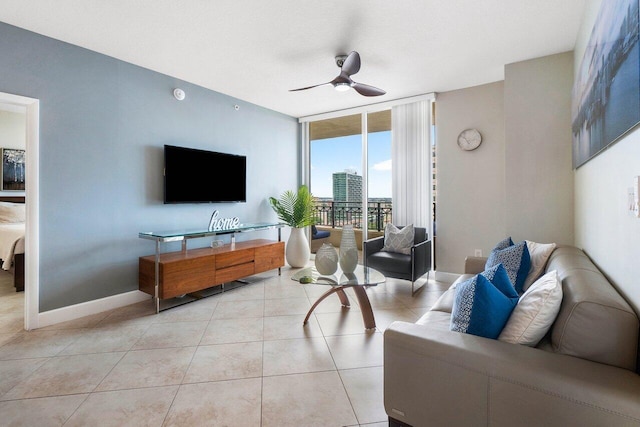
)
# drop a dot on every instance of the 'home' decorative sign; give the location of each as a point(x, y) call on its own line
point(216, 223)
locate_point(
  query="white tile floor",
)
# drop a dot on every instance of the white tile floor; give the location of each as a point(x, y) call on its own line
point(241, 358)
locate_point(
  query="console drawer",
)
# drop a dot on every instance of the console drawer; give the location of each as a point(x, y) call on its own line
point(235, 257)
point(232, 273)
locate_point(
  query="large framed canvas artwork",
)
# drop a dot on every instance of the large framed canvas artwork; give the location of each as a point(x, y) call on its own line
point(606, 92)
point(13, 169)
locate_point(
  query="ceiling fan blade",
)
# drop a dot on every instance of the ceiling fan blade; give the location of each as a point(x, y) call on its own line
point(367, 90)
point(309, 87)
point(351, 65)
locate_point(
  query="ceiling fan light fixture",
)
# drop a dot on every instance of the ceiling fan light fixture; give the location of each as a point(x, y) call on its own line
point(349, 65)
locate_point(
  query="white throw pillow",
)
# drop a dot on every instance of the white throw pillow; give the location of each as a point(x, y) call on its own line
point(12, 212)
point(398, 240)
point(535, 313)
point(539, 254)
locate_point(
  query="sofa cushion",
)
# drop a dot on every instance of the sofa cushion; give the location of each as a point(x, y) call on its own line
point(516, 261)
point(594, 321)
point(398, 239)
point(480, 308)
point(539, 254)
point(438, 319)
point(319, 234)
point(445, 302)
point(536, 310)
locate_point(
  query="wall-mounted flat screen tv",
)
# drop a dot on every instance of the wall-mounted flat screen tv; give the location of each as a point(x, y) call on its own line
point(202, 176)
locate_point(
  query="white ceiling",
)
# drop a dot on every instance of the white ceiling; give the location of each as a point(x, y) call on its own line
point(256, 50)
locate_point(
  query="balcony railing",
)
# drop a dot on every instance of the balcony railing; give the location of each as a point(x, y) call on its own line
point(337, 214)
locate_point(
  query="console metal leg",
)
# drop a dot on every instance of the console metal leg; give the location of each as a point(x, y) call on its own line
point(279, 240)
point(156, 297)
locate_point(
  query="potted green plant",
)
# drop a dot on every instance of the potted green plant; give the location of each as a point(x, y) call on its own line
point(296, 210)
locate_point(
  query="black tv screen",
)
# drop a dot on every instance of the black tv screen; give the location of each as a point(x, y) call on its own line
point(202, 176)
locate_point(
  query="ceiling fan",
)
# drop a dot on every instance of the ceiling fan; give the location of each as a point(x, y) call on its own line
point(349, 65)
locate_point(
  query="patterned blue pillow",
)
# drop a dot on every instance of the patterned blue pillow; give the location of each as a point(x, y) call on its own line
point(480, 308)
point(504, 243)
point(516, 261)
point(499, 278)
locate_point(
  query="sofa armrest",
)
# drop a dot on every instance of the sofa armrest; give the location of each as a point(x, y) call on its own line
point(474, 264)
point(438, 377)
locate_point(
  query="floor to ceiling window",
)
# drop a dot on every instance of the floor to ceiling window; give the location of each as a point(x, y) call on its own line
point(349, 170)
point(336, 177)
point(379, 177)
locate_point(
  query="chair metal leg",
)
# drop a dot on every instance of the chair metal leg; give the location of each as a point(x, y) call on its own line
point(413, 292)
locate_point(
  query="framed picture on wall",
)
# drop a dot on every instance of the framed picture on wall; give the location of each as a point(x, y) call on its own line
point(605, 101)
point(13, 169)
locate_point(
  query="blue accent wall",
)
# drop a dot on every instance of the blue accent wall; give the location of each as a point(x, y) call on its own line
point(103, 125)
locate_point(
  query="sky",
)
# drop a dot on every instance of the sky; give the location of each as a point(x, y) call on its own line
point(338, 154)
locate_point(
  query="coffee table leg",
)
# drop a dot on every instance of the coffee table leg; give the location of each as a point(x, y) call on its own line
point(365, 307)
point(343, 299)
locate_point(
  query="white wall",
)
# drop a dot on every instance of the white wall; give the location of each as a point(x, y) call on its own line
point(539, 184)
point(603, 227)
point(470, 209)
point(519, 182)
point(13, 129)
point(103, 124)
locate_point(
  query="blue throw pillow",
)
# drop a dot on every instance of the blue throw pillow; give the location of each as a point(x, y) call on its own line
point(504, 243)
point(516, 261)
point(480, 308)
point(499, 278)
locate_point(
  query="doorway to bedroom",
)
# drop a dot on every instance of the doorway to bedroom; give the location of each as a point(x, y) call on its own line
point(13, 141)
point(25, 188)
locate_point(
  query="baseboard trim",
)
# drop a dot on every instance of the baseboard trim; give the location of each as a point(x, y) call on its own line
point(88, 308)
point(443, 276)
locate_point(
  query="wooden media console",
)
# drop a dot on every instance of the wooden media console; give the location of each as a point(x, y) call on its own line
point(189, 272)
point(197, 269)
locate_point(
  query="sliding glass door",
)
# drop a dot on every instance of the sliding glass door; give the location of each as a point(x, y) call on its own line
point(350, 173)
point(370, 166)
point(379, 172)
point(336, 181)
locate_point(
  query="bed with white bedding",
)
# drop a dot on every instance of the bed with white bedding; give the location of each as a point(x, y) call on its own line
point(11, 242)
point(12, 231)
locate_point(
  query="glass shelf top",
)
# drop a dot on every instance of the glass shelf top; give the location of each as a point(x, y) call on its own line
point(167, 236)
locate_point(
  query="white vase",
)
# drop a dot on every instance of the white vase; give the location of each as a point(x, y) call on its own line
point(326, 259)
point(297, 251)
point(348, 250)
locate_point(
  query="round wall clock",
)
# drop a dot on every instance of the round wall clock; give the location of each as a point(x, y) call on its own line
point(469, 139)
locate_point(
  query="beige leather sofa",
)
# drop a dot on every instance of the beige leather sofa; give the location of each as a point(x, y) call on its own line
point(581, 374)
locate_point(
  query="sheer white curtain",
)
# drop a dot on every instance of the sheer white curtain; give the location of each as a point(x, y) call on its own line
point(411, 164)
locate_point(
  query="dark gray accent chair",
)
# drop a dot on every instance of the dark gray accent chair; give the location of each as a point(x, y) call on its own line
point(400, 266)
